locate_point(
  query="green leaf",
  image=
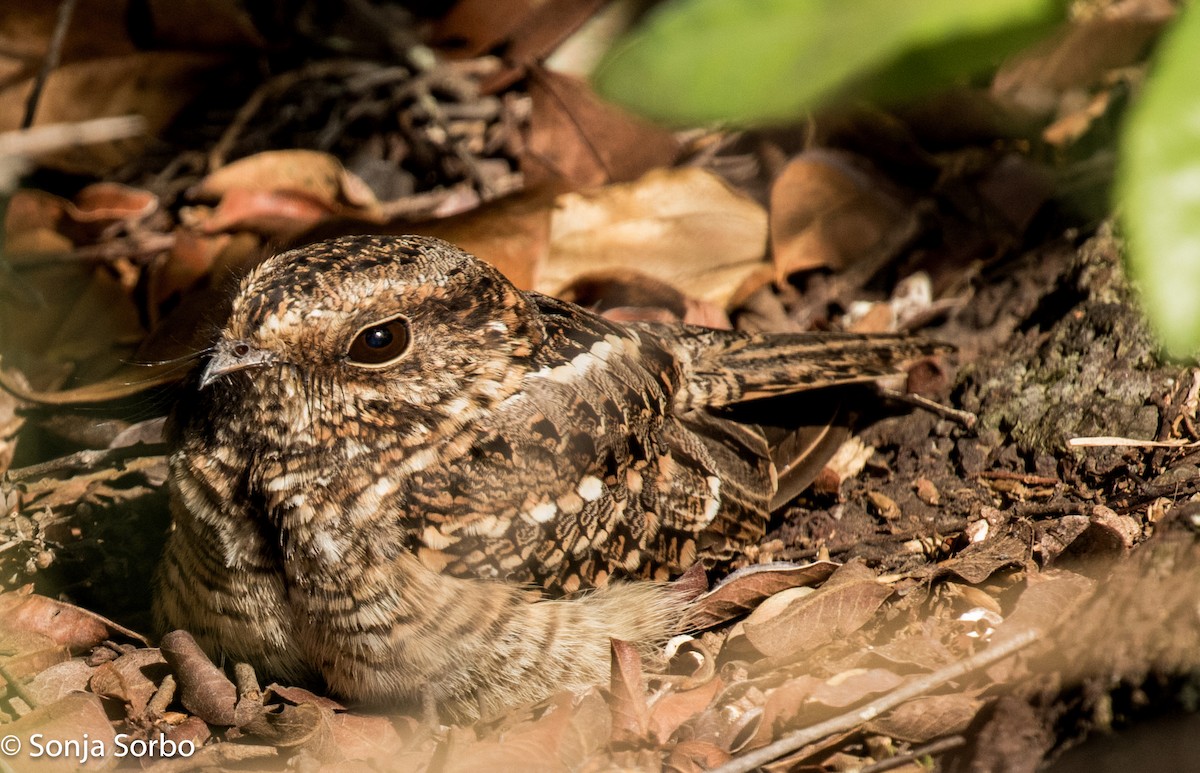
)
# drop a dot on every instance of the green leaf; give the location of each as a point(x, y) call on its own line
point(756, 61)
point(1158, 188)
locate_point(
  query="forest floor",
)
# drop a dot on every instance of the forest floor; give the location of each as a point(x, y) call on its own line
point(981, 577)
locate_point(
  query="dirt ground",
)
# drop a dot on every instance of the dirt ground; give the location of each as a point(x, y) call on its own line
point(982, 577)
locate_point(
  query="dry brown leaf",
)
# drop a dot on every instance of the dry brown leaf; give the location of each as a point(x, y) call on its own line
point(124, 383)
point(299, 695)
point(66, 624)
point(924, 719)
point(153, 84)
point(675, 708)
point(681, 226)
point(282, 214)
point(576, 140)
point(365, 737)
point(806, 700)
point(128, 678)
point(923, 651)
point(283, 192)
point(695, 756)
point(532, 746)
point(31, 211)
point(56, 682)
point(745, 589)
point(513, 234)
point(204, 689)
point(317, 175)
point(80, 718)
point(826, 212)
point(104, 203)
point(288, 726)
point(25, 653)
point(630, 714)
point(627, 295)
point(834, 610)
point(1048, 601)
point(978, 561)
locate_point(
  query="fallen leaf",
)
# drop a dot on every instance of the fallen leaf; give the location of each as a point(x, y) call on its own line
point(745, 589)
point(128, 678)
point(979, 560)
point(835, 610)
point(695, 756)
point(274, 213)
point(78, 718)
point(153, 84)
point(56, 682)
point(364, 737)
point(66, 624)
point(923, 719)
point(673, 709)
point(630, 715)
point(682, 226)
point(806, 700)
point(628, 295)
point(827, 212)
point(204, 689)
point(319, 176)
point(576, 140)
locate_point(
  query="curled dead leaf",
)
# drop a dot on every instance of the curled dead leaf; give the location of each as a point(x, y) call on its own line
point(681, 226)
point(204, 689)
point(829, 212)
point(746, 588)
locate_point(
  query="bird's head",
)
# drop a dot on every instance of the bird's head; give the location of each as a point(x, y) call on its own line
point(370, 325)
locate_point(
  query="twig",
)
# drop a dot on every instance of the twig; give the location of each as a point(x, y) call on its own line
point(86, 461)
point(14, 684)
point(963, 418)
point(1110, 441)
point(53, 55)
point(933, 747)
point(852, 719)
point(40, 140)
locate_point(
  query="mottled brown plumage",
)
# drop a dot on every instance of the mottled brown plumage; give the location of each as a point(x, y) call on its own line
point(397, 470)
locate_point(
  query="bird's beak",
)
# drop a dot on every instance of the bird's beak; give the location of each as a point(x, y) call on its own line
point(231, 356)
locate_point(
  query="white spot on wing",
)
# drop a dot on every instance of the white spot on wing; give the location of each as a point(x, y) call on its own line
point(713, 506)
point(590, 488)
point(543, 512)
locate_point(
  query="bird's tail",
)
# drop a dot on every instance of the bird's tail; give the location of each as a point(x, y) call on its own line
point(724, 368)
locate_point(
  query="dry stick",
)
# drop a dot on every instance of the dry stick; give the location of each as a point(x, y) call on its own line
point(85, 461)
point(53, 55)
point(852, 719)
point(966, 419)
point(929, 749)
point(54, 137)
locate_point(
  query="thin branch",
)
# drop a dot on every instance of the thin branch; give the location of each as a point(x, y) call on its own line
point(53, 55)
point(852, 719)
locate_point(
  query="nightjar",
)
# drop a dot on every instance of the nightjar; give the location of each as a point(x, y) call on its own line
point(395, 472)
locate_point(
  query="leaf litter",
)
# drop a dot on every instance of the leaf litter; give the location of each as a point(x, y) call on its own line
point(922, 548)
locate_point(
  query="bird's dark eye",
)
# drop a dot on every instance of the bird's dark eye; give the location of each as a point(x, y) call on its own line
point(379, 343)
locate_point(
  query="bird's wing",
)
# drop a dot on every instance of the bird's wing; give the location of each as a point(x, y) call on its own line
point(599, 478)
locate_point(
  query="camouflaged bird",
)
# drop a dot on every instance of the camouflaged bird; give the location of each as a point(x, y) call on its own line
point(397, 470)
